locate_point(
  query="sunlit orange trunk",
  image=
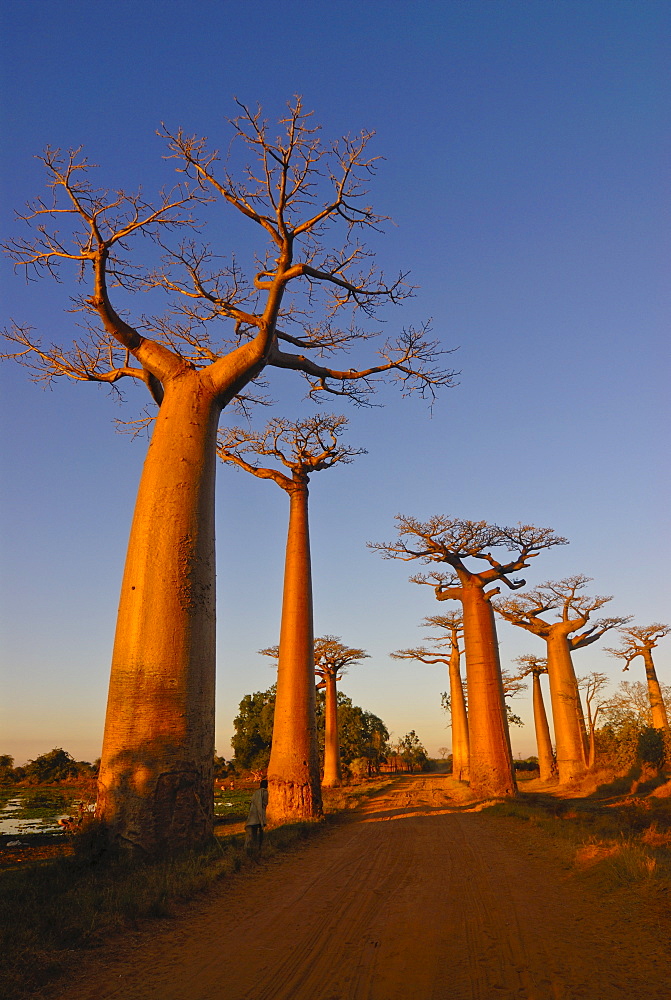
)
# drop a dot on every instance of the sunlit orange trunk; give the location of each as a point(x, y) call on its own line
point(566, 709)
point(491, 763)
point(332, 769)
point(293, 772)
point(460, 751)
point(546, 758)
point(658, 709)
point(155, 784)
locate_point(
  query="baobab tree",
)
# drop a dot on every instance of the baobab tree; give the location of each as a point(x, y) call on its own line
point(592, 685)
point(640, 640)
point(456, 542)
point(303, 447)
point(332, 659)
point(564, 599)
point(225, 326)
point(452, 627)
point(536, 666)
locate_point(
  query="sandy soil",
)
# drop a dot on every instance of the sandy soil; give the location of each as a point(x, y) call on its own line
point(405, 900)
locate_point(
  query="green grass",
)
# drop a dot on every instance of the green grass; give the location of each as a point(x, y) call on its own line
point(44, 801)
point(239, 800)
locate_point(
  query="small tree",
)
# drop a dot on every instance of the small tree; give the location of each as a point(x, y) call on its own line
point(452, 629)
point(7, 775)
point(226, 324)
point(536, 666)
point(592, 686)
point(565, 600)
point(303, 447)
point(640, 640)
point(457, 543)
point(411, 750)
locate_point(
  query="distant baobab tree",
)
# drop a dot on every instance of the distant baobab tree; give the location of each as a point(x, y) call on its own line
point(457, 542)
point(302, 447)
point(574, 609)
point(640, 640)
point(535, 665)
point(225, 325)
point(332, 659)
point(452, 626)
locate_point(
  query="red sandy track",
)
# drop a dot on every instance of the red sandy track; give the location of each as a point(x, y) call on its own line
point(402, 901)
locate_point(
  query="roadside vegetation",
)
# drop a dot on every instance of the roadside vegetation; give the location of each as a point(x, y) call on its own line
point(617, 841)
point(51, 908)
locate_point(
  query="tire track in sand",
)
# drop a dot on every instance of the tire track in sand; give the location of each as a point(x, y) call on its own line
point(404, 900)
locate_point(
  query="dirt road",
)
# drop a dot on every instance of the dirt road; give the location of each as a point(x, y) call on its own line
point(403, 901)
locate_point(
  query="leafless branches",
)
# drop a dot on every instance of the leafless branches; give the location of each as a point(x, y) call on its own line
point(531, 664)
point(421, 653)
point(332, 658)
point(636, 639)
point(295, 188)
point(453, 541)
point(452, 632)
point(592, 686)
point(303, 447)
point(569, 606)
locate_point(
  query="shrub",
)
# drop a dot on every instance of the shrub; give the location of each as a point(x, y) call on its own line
point(650, 749)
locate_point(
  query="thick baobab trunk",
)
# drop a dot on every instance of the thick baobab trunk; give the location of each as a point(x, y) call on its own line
point(566, 710)
point(658, 709)
point(460, 753)
point(546, 758)
point(491, 760)
point(155, 784)
point(332, 770)
point(293, 773)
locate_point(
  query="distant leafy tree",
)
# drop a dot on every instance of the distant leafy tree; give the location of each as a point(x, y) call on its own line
point(254, 730)
point(362, 734)
point(412, 751)
point(57, 765)
point(6, 769)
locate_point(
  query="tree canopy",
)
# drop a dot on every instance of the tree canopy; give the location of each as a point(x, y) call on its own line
point(362, 734)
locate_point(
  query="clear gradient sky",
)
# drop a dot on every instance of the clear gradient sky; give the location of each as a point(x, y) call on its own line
point(526, 168)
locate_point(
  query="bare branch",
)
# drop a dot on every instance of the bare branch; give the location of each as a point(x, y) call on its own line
point(303, 447)
point(453, 541)
point(563, 600)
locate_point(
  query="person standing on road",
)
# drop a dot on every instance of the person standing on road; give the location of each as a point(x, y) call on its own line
point(256, 820)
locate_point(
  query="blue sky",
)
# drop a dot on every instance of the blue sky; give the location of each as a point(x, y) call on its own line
point(526, 152)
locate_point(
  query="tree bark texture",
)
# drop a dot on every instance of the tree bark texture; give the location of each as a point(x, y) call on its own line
point(658, 709)
point(293, 773)
point(566, 709)
point(332, 769)
point(546, 758)
point(491, 761)
point(460, 750)
point(156, 781)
